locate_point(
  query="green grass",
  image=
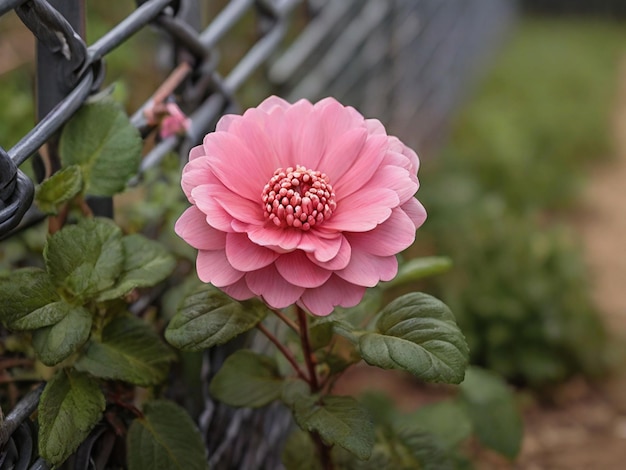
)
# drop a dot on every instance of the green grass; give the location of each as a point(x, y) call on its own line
point(498, 194)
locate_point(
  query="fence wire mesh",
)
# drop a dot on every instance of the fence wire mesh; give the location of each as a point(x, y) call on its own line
point(407, 62)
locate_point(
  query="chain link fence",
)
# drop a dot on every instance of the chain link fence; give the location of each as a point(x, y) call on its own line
point(407, 62)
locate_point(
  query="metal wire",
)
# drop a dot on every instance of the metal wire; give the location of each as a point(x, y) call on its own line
point(84, 73)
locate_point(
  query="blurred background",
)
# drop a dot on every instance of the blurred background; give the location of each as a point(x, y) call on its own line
point(518, 113)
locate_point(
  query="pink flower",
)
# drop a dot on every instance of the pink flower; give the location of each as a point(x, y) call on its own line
point(169, 117)
point(303, 203)
point(174, 122)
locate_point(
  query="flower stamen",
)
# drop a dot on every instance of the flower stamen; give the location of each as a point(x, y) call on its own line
point(299, 198)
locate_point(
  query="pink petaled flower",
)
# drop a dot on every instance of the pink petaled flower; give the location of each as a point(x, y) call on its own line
point(174, 122)
point(303, 203)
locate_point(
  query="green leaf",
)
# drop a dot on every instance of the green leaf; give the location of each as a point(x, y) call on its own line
point(59, 188)
point(165, 438)
point(426, 449)
point(491, 407)
point(417, 333)
point(446, 420)
point(47, 315)
point(419, 268)
point(209, 317)
point(129, 350)
point(56, 343)
point(101, 139)
point(338, 420)
point(299, 452)
point(86, 258)
point(247, 379)
point(146, 263)
point(320, 335)
point(70, 406)
point(24, 291)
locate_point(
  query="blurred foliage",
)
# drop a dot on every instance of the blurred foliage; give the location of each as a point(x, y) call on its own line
point(498, 194)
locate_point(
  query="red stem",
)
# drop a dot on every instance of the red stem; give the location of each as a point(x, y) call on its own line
point(322, 449)
point(284, 350)
point(286, 320)
point(309, 358)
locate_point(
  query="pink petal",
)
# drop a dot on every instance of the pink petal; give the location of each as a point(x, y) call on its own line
point(238, 290)
point(391, 237)
point(374, 126)
point(197, 172)
point(396, 145)
point(246, 256)
point(399, 159)
point(341, 259)
point(196, 152)
point(278, 239)
point(396, 178)
point(273, 102)
point(225, 121)
point(213, 267)
point(194, 229)
point(362, 167)
point(274, 289)
point(321, 247)
point(309, 140)
point(322, 300)
point(216, 216)
point(341, 154)
point(238, 207)
point(238, 166)
point(365, 269)
point(416, 212)
point(285, 128)
point(251, 131)
point(297, 269)
point(337, 118)
point(280, 134)
point(362, 211)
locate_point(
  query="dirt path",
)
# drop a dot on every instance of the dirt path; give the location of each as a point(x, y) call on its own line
point(587, 428)
point(604, 228)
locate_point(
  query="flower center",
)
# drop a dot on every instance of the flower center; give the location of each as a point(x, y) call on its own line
point(298, 198)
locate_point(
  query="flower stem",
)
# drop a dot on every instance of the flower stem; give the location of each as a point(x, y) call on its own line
point(323, 449)
point(309, 358)
point(286, 320)
point(284, 350)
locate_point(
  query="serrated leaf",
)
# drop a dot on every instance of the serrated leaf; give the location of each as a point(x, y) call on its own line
point(338, 420)
point(56, 343)
point(491, 407)
point(419, 268)
point(59, 188)
point(247, 379)
point(47, 315)
point(102, 141)
point(70, 406)
point(165, 438)
point(86, 258)
point(128, 350)
point(209, 317)
point(417, 333)
point(447, 420)
point(24, 291)
point(146, 263)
